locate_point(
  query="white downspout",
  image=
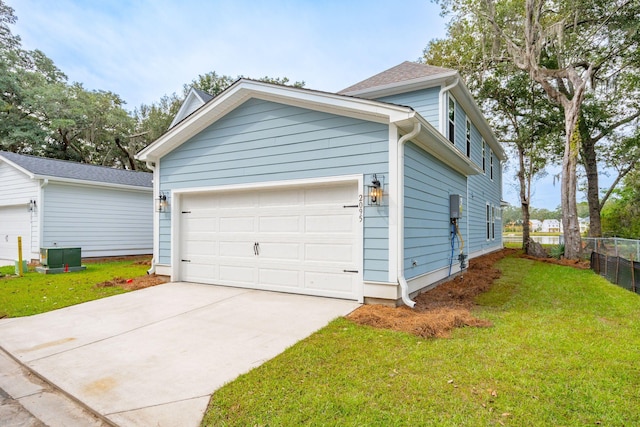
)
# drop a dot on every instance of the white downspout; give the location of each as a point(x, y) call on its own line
point(40, 210)
point(404, 286)
point(156, 221)
point(445, 106)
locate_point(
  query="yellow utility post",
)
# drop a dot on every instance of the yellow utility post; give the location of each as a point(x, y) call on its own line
point(20, 272)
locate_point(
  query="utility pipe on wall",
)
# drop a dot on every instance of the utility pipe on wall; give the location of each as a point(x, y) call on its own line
point(404, 286)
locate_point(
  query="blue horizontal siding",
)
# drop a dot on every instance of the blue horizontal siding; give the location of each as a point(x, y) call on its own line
point(483, 190)
point(263, 141)
point(428, 184)
point(425, 101)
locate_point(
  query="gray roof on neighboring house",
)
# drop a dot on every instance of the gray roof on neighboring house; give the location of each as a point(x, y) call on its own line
point(400, 73)
point(66, 170)
point(206, 97)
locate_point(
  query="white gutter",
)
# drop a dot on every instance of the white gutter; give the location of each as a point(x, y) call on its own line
point(156, 221)
point(445, 106)
point(404, 287)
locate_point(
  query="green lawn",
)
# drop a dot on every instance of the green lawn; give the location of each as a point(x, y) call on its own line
point(563, 351)
point(37, 293)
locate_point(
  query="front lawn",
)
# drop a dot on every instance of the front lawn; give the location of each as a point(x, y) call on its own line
point(563, 350)
point(37, 293)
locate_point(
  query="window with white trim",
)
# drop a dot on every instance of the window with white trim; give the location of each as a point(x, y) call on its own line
point(493, 222)
point(491, 163)
point(468, 138)
point(484, 156)
point(488, 221)
point(452, 120)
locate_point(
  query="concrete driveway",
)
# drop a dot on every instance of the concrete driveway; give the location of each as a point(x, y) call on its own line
point(155, 356)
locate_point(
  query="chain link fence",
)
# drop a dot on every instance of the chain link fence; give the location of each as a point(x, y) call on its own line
point(615, 259)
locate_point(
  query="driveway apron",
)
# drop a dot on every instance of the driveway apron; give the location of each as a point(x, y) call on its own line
point(155, 356)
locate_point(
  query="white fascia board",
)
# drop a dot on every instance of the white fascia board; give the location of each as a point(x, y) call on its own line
point(404, 86)
point(245, 89)
point(433, 142)
point(84, 183)
point(18, 167)
point(464, 97)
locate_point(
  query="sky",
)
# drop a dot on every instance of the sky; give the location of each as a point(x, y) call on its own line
point(145, 49)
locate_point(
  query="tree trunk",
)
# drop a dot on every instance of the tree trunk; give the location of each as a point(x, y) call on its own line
point(132, 161)
point(524, 202)
point(593, 190)
point(572, 240)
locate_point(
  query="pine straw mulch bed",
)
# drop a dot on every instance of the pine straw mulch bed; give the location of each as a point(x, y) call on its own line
point(439, 310)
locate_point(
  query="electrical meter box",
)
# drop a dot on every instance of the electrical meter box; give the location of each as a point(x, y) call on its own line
point(455, 206)
point(59, 260)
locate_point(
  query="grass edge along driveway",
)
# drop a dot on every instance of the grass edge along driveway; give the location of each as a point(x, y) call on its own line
point(563, 351)
point(36, 293)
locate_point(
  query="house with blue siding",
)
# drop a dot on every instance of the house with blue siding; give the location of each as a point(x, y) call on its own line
point(55, 203)
point(373, 194)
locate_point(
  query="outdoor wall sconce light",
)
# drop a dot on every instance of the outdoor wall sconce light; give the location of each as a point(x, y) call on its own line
point(375, 192)
point(32, 205)
point(163, 204)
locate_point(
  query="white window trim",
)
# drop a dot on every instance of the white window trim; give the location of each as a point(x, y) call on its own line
point(491, 164)
point(467, 148)
point(455, 107)
point(493, 222)
point(488, 221)
point(484, 156)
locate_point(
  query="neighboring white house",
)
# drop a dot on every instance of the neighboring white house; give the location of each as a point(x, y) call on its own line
point(584, 224)
point(371, 194)
point(104, 211)
point(551, 226)
point(535, 225)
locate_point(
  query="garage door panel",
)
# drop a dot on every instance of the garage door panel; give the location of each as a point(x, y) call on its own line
point(337, 223)
point(238, 275)
point(200, 225)
point(239, 200)
point(205, 250)
point(329, 252)
point(280, 198)
point(307, 241)
point(237, 224)
point(239, 249)
point(336, 282)
point(200, 272)
point(280, 277)
point(279, 251)
point(279, 224)
point(14, 221)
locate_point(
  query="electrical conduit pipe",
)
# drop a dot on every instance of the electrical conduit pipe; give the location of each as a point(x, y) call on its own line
point(404, 286)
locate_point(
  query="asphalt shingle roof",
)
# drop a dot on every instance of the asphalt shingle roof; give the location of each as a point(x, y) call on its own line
point(206, 97)
point(400, 73)
point(54, 168)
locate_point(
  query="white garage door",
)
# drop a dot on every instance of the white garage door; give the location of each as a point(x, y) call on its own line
point(300, 240)
point(14, 221)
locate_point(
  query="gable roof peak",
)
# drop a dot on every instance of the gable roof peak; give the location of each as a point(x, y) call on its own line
point(402, 74)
